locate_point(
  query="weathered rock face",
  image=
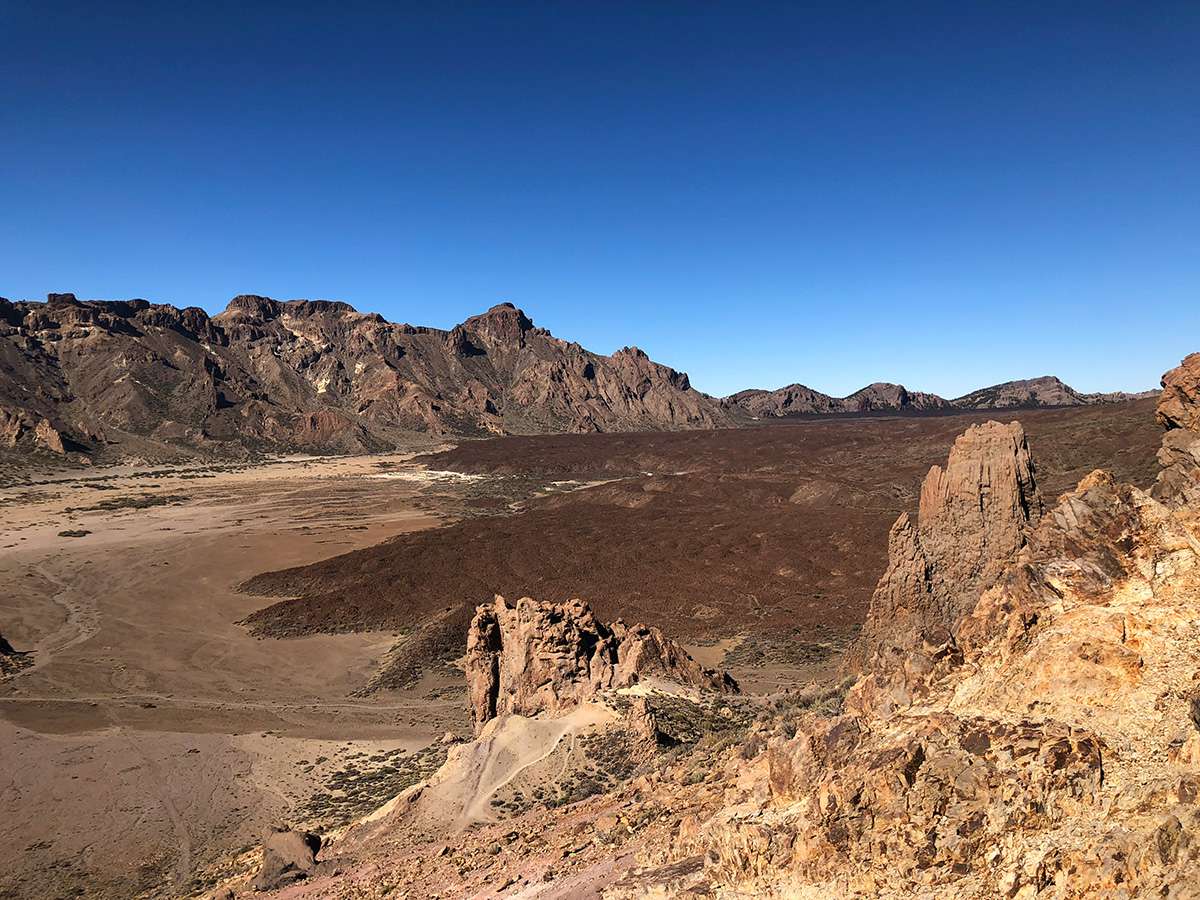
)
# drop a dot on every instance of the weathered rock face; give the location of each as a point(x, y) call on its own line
point(1179, 413)
point(972, 519)
point(47, 436)
point(308, 374)
point(1179, 402)
point(928, 805)
point(288, 856)
point(532, 657)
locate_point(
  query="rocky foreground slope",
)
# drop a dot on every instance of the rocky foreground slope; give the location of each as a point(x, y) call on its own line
point(132, 377)
point(1026, 724)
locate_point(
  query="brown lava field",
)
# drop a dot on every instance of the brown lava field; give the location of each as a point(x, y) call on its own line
point(778, 531)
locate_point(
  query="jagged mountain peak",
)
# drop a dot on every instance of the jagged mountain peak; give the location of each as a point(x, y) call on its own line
point(265, 374)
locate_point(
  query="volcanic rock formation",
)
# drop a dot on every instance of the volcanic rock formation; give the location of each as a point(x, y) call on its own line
point(288, 856)
point(1049, 746)
point(533, 657)
point(1034, 392)
point(11, 660)
point(972, 520)
point(1179, 413)
point(796, 399)
point(148, 378)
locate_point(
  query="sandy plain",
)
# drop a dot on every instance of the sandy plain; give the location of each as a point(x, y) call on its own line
point(152, 734)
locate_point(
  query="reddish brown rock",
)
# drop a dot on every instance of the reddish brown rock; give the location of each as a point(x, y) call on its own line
point(973, 518)
point(11, 659)
point(48, 438)
point(1179, 403)
point(12, 427)
point(532, 657)
point(311, 375)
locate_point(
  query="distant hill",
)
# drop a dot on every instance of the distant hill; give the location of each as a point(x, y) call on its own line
point(137, 378)
point(797, 399)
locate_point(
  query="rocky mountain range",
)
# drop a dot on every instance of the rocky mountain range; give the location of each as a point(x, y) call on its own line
point(799, 400)
point(109, 379)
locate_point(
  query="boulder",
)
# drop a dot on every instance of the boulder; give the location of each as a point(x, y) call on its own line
point(973, 517)
point(11, 659)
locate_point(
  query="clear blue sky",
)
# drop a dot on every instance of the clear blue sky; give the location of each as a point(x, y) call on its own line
point(946, 195)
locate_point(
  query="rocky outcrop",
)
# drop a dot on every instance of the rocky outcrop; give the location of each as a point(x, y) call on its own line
point(11, 660)
point(269, 375)
point(925, 807)
point(533, 657)
point(18, 428)
point(48, 437)
point(797, 399)
point(1179, 413)
point(972, 520)
point(288, 856)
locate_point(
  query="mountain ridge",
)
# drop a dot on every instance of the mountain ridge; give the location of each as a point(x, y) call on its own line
point(132, 378)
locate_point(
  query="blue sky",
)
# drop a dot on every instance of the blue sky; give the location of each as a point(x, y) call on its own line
point(942, 194)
